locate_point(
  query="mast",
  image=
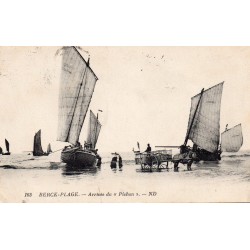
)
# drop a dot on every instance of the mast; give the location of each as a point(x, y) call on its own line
point(192, 122)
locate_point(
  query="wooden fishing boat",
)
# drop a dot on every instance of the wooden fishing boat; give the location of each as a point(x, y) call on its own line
point(203, 128)
point(76, 89)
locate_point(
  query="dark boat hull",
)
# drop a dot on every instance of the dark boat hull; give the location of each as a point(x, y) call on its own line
point(207, 156)
point(79, 157)
point(197, 156)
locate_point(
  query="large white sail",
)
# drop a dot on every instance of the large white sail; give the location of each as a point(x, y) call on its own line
point(205, 129)
point(76, 89)
point(232, 139)
point(93, 130)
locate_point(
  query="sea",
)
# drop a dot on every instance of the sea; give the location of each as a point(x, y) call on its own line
point(25, 178)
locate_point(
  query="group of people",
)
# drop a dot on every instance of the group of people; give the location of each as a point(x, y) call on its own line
point(114, 162)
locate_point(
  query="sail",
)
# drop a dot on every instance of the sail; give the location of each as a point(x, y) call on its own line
point(93, 130)
point(76, 89)
point(232, 139)
point(37, 149)
point(7, 146)
point(205, 130)
point(49, 149)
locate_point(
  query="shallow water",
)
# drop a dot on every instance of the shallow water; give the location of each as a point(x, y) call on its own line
point(24, 178)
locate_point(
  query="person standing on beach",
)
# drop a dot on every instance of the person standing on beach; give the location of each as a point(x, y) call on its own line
point(113, 162)
point(120, 162)
point(148, 150)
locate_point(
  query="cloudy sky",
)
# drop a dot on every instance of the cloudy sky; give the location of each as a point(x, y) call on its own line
point(144, 93)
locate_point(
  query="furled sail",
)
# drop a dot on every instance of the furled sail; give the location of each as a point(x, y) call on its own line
point(37, 149)
point(7, 146)
point(232, 139)
point(76, 89)
point(93, 130)
point(49, 149)
point(204, 124)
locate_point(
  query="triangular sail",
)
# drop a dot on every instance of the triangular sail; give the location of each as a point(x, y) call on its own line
point(205, 130)
point(7, 146)
point(232, 139)
point(76, 89)
point(93, 130)
point(37, 149)
point(49, 149)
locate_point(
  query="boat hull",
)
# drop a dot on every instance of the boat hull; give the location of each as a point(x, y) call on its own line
point(8, 153)
point(79, 157)
point(207, 156)
point(197, 156)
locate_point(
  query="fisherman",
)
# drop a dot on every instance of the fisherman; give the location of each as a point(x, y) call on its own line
point(113, 162)
point(120, 162)
point(148, 150)
point(78, 144)
point(1, 150)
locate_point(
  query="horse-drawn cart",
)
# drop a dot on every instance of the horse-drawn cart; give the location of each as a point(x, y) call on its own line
point(155, 160)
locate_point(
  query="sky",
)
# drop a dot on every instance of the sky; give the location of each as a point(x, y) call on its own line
point(144, 92)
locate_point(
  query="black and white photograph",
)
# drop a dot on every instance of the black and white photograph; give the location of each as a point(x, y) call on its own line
point(124, 124)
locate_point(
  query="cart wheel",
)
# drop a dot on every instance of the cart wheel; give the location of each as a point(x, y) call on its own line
point(164, 165)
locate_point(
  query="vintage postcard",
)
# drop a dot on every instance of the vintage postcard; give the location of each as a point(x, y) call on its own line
point(124, 124)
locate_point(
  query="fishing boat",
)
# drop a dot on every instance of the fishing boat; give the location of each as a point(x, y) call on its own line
point(7, 145)
point(37, 146)
point(232, 139)
point(203, 128)
point(77, 85)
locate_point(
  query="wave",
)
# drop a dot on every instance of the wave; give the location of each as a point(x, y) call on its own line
point(236, 156)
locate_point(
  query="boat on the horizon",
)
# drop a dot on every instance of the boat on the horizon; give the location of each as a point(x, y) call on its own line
point(203, 128)
point(76, 89)
point(37, 145)
point(49, 150)
point(7, 145)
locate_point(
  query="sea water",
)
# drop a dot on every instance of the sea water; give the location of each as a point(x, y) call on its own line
point(25, 178)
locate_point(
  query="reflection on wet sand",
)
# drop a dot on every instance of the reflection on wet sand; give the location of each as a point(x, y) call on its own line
point(73, 170)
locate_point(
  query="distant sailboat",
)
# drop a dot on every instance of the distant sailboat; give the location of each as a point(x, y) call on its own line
point(77, 86)
point(37, 147)
point(49, 149)
point(7, 145)
point(232, 139)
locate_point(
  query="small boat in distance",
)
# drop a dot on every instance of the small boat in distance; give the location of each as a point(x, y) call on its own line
point(76, 89)
point(37, 147)
point(232, 139)
point(7, 145)
point(49, 150)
